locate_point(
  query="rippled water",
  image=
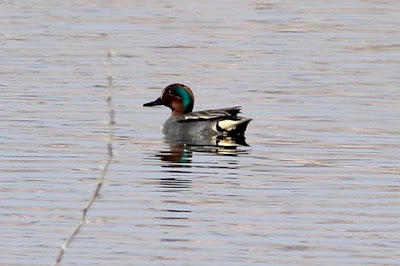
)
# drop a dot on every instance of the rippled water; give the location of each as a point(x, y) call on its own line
point(319, 183)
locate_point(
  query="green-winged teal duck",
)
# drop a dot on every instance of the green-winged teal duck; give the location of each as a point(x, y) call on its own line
point(183, 124)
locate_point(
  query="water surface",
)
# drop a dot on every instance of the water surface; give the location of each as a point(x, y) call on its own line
point(319, 183)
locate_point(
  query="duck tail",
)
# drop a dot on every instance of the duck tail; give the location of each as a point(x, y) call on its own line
point(233, 126)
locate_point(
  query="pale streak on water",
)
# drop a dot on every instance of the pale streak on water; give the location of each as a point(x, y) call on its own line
point(318, 185)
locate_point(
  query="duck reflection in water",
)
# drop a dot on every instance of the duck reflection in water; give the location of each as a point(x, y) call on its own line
point(181, 153)
point(218, 127)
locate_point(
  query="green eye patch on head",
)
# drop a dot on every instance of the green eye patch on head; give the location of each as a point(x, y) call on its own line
point(184, 95)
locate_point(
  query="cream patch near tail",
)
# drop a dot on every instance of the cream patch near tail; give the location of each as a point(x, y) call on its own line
point(232, 126)
point(229, 125)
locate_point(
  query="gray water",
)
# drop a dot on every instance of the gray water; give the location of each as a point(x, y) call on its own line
point(319, 183)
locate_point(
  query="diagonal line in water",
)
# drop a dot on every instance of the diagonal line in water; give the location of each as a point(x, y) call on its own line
point(100, 183)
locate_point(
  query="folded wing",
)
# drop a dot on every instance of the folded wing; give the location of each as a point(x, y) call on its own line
point(211, 114)
point(224, 120)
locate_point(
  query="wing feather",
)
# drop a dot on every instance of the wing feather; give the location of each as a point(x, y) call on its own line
point(211, 114)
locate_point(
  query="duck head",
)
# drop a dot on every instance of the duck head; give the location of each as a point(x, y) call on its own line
point(176, 96)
